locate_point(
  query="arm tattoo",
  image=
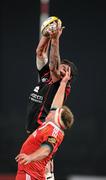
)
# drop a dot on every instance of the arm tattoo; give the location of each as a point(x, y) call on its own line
point(54, 55)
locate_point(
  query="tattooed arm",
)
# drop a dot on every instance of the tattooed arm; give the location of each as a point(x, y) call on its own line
point(54, 59)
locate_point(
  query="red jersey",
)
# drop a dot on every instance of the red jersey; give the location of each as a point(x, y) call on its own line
point(47, 133)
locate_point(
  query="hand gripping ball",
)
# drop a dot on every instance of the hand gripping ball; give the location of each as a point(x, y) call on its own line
point(50, 24)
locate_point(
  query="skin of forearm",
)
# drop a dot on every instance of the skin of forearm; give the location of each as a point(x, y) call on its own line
point(41, 46)
point(40, 154)
point(59, 97)
point(54, 54)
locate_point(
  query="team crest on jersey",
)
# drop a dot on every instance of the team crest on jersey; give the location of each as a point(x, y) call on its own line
point(36, 89)
point(52, 140)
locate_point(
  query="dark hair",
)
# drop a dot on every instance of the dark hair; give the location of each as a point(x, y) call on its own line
point(67, 117)
point(73, 68)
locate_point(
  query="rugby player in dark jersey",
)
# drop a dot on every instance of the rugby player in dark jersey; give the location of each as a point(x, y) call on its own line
point(50, 74)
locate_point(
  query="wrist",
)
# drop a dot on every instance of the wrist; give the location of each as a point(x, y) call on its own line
point(55, 38)
point(63, 82)
point(55, 42)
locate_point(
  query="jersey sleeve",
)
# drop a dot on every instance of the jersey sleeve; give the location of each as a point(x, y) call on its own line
point(44, 70)
point(50, 137)
point(40, 63)
point(51, 142)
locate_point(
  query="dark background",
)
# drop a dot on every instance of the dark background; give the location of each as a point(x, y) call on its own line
point(84, 149)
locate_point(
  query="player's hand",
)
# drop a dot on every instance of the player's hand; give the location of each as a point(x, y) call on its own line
point(67, 76)
point(56, 34)
point(23, 158)
point(53, 30)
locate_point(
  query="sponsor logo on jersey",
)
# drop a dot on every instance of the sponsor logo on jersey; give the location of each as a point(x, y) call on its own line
point(52, 140)
point(36, 98)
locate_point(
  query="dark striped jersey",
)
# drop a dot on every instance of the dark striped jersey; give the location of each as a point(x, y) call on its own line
point(41, 98)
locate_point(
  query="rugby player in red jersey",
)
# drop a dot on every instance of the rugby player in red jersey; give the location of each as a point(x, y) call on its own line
point(43, 143)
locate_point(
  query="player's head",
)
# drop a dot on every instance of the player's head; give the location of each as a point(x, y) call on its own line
point(64, 117)
point(63, 67)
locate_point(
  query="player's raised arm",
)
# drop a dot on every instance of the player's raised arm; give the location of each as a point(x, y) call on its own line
point(59, 97)
point(42, 52)
point(42, 48)
point(54, 61)
point(54, 58)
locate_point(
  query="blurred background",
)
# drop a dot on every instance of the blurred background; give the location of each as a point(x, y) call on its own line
point(83, 152)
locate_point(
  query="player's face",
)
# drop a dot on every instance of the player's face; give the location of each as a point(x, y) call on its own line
point(63, 68)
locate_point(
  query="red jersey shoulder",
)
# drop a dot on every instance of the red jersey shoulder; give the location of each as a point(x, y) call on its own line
point(51, 132)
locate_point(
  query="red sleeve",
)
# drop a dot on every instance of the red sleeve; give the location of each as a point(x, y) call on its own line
point(51, 142)
point(49, 138)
